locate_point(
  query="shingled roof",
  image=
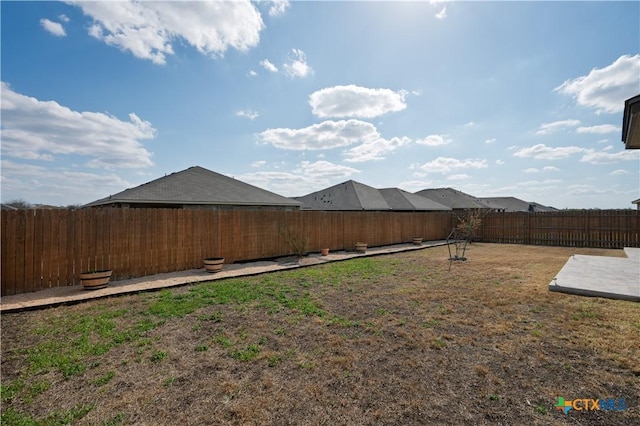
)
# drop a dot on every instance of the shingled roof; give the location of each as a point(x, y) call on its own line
point(513, 204)
point(349, 195)
point(197, 186)
point(452, 198)
point(399, 199)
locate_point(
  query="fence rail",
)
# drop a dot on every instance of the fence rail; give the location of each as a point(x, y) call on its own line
point(579, 228)
point(50, 248)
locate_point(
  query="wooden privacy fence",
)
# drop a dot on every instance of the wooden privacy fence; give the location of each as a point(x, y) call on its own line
point(50, 248)
point(572, 228)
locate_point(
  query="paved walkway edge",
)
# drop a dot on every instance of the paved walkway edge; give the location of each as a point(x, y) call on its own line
point(68, 295)
point(601, 276)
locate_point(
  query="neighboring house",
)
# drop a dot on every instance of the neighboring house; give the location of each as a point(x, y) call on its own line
point(352, 195)
point(400, 200)
point(349, 195)
point(637, 203)
point(513, 204)
point(197, 187)
point(7, 207)
point(452, 198)
point(631, 123)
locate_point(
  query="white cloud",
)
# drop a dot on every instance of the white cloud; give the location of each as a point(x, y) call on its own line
point(149, 29)
point(415, 185)
point(586, 190)
point(284, 183)
point(375, 148)
point(305, 178)
point(278, 7)
point(490, 141)
point(355, 101)
point(458, 177)
point(605, 89)
point(325, 135)
point(268, 65)
point(446, 165)
point(601, 129)
point(608, 158)
point(54, 28)
point(259, 163)
point(547, 128)
point(470, 124)
point(64, 18)
point(56, 186)
point(33, 129)
point(499, 162)
point(531, 170)
point(434, 140)
point(543, 152)
point(442, 14)
point(325, 170)
point(550, 169)
point(251, 115)
point(296, 66)
point(619, 172)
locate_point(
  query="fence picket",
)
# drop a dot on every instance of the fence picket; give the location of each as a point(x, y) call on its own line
point(50, 248)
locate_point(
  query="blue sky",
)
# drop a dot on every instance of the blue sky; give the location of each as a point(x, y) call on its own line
point(519, 99)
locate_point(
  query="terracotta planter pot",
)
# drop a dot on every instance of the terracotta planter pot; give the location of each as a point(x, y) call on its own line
point(324, 252)
point(214, 264)
point(361, 247)
point(95, 280)
point(417, 241)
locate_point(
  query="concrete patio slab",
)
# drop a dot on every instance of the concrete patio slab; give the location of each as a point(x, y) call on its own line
point(76, 294)
point(601, 276)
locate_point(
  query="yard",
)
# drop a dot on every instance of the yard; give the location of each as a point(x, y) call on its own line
point(395, 339)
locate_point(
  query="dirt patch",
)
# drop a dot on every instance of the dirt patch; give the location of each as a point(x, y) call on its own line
point(395, 339)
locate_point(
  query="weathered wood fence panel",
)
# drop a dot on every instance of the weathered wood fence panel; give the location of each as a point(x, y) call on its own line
point(50, 248)
point(579, 228)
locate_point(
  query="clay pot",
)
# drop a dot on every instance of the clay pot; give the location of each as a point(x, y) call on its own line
point(94, 280)
point(213, 264)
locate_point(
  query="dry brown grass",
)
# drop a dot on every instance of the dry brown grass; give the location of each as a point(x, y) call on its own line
point(399, 340)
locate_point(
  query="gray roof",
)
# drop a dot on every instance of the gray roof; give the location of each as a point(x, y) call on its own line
point(197, 186)
point(452, 198)
point(349, 195)
point(513, 204)
point(399, 199)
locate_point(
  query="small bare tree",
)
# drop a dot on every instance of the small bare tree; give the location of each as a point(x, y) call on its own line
point(469, 223)
point(297, 243)
point(462, 234)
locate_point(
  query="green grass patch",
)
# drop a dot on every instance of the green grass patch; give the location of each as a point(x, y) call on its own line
point(9, 390)
point(430, 323)
point(202, 348)
point(343, 322)
point(101, 381)
point(585, 312)
point(57, 417)
point(158, 356)
point(245, 354)
point(118, 420)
